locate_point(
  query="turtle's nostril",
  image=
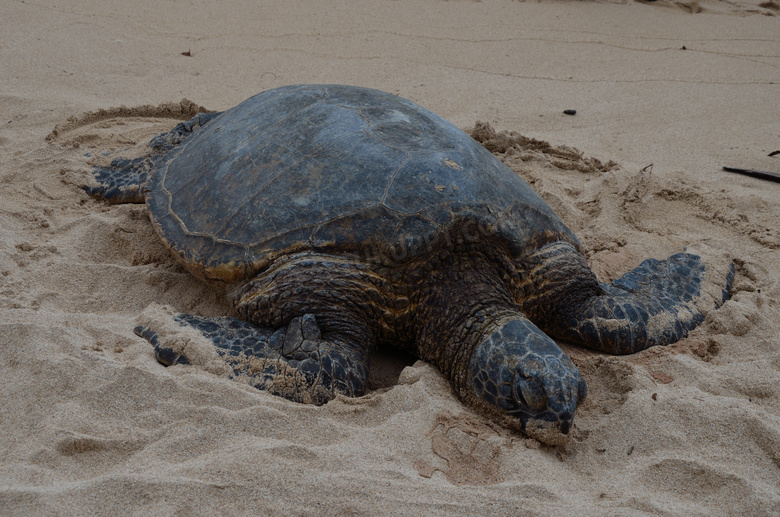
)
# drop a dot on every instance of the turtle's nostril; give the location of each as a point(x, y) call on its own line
point(582, 391)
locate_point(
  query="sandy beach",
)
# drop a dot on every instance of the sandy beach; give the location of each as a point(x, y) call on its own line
point(666, 93)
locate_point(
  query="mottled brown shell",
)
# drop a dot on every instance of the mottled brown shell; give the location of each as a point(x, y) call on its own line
point(339, 170)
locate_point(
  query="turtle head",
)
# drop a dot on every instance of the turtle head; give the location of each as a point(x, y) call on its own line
point(523, 375)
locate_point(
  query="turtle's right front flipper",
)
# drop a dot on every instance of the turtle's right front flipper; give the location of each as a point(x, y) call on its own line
point(294, 362)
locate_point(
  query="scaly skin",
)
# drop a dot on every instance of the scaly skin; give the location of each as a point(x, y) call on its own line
point(471, 327)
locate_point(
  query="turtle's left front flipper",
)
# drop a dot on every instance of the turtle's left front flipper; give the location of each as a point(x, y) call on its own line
point(657, 303)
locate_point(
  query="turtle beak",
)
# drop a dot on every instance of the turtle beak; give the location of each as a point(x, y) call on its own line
point(566, 418)
point(565, 422)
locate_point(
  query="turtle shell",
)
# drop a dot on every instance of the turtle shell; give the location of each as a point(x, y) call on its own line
point(340, 170)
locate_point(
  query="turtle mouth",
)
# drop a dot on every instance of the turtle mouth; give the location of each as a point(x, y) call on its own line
point(550, 432)
point(548, 420)
point(565, 423)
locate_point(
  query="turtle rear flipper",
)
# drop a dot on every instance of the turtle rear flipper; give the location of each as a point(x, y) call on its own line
point(293, 362)
point(166, 141)
point(657, 303)
point(122, 181)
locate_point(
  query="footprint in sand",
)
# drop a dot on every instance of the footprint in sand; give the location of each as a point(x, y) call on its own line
point(470, 450)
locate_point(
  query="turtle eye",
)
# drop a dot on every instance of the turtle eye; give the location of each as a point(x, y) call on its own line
point(530, 393)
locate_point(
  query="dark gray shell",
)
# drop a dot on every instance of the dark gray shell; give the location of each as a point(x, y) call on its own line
point(340, 170)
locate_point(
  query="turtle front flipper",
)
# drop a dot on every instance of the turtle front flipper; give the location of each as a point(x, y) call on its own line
point(293, 362)
point(657, 303)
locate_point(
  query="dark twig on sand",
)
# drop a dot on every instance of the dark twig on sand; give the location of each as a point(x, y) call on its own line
point(764, 175)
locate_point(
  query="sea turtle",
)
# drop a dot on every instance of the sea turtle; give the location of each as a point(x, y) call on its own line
point(337, 218)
